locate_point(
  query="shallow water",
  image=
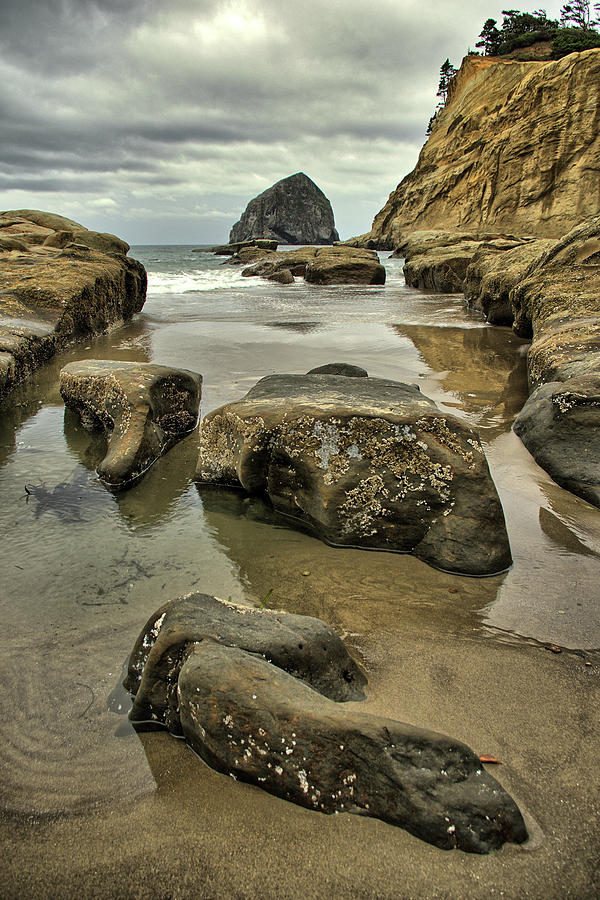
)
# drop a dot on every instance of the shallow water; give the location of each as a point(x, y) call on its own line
point(84, 568)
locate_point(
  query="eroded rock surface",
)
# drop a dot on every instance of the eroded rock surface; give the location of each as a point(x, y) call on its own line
point(143, 408)
point(364, 462)
point(516, 149)
point(245, 717)
point(305, 647)
point(557, 303)
point(59, 282)
point(439, 260)
point(292, 211)
point(493, 273)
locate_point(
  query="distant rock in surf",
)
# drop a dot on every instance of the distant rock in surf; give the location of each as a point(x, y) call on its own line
point(292, 211)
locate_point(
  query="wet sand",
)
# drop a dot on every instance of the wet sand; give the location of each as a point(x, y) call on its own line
point(90, 808)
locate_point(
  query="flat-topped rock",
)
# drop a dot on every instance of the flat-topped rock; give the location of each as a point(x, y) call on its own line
point(143, 409)
point(323, 265)
point(439, 261)
point(292, 211)
point(363, 462)
point(493, 273)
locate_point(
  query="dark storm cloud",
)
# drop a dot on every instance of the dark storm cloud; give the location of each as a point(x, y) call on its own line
point(151, 108)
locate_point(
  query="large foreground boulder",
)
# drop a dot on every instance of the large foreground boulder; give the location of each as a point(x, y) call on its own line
point(249, 719)
point(257, 694)
point(143, 408)
point(305, 647)
point(363, 462)
point(59, 282)
point(292, 211)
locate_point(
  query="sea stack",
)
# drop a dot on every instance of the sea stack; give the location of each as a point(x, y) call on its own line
point(292, 211)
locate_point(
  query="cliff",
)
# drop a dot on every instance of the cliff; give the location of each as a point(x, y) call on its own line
point(292, 211)
point(59, 282)
point(516, 149)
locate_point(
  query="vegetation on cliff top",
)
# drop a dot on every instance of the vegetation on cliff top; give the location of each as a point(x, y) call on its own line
point(575, 31)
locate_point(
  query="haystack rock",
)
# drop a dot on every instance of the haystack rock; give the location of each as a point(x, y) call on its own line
point(292, 211)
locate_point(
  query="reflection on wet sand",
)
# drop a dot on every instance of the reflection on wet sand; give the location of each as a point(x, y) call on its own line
point(484, 368)
point(130, 343)
point(154, 499)
point(300, 327)
point(350, 589)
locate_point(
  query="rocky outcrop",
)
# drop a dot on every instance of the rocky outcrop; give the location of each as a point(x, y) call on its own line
point(493, 273)
point(256, 693)
point(438, 261)
point(305, 647)
point(320, 265)
point(363, 462)
point(557, 303)
point(143, 408)
point(60, 282)
point(237, 246)
point(292, 211)
point(517, 148)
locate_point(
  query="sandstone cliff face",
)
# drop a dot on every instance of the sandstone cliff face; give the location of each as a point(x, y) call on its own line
point(293, 211)
point(516, 149)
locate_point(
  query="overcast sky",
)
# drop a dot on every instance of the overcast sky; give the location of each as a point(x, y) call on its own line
point(158, 120)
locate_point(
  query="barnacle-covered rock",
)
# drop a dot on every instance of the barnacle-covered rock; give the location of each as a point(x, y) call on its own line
point(364, 462)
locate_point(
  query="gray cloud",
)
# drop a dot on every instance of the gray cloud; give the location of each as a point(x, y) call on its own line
point(158, 121)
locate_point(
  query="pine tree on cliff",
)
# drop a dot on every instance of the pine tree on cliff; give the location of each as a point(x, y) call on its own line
point(490, 38)
point(578, 14)
point(447, 73)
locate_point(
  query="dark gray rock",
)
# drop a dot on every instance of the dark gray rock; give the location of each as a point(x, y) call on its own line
point(560, 426)
point(282, 276)
point(143, 408)
point(292, 211)
point(305, 647)
point(363, 462)
point(247, 718)
point(340, 369)
point(236, 246)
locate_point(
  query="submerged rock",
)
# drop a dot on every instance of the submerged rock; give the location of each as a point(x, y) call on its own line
point(143, 408)
point(305, 647)
point(247, 718)
point(292, 211)
point(363, 462)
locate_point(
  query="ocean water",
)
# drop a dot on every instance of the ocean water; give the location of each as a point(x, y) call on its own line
point(83, 568)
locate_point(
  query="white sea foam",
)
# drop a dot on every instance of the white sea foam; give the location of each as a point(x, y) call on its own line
point(195, 280)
